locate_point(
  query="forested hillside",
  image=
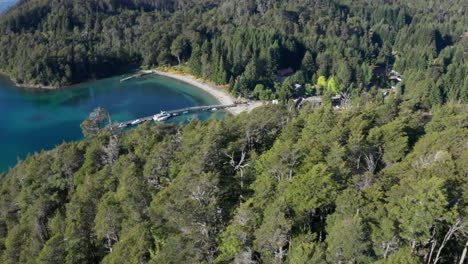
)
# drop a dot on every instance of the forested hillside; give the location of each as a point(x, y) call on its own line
point(333, 46)
point(376, 183)
point(380, 180)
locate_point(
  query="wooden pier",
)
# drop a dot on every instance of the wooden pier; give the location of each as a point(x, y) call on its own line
point(138, 75)
point(173, 113)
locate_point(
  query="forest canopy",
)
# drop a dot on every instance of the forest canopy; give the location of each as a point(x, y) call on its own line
point(367, 184)
point(380, 180)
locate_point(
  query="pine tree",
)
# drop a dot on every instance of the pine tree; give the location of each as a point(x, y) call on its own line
point(308, 63)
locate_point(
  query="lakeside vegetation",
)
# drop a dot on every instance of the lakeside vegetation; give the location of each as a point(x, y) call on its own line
point(381, 180)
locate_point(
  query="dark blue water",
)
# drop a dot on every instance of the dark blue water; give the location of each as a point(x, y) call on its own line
point(4, 4)
point(31, 121)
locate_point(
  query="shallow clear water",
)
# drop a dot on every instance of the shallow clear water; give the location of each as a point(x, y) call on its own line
point(31, 121)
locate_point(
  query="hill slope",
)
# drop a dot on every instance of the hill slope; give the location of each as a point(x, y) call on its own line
point(369, 184)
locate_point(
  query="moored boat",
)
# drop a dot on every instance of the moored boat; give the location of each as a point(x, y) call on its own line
point(161, 117)
point(136, 122)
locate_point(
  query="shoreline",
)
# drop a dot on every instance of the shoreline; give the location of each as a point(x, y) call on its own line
point(219, 94)
point(212, 89)
point(30, 86)
point(36, 86)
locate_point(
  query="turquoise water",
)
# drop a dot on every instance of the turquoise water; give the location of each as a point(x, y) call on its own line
point(4, 4)
point(31, 120)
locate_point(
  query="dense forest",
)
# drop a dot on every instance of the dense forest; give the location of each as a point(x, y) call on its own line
point(382, 180)
point(330, 46)
point(374, 183)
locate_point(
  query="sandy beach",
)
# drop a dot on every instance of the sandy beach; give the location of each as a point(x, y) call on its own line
point(217, 92)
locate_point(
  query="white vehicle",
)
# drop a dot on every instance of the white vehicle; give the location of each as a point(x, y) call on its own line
point(214, 109)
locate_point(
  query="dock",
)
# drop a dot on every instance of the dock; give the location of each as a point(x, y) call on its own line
point(176, 112)
point(138, 75)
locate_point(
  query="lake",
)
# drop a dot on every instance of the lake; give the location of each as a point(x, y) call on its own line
point(4, 4)
point(31, 120)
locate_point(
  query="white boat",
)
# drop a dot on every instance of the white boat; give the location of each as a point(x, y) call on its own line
point(122, 125)
point(136, 122)
point(185, 112)
point(164, 117)
point(214, 109)
point(161, 117)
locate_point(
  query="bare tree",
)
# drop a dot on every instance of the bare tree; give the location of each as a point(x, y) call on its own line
point(366, 180)
point(250, 140)
point(239, 166)
point(244, 257)
point(462, 259)
point(345, 99)
point(460, 225)
point(111, 151)
point(281, 253)
point(292, 159)
point(372, 159)
point(111, 238)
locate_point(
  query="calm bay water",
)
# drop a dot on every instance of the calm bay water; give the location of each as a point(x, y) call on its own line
point(31, 121)
point(4, 4)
